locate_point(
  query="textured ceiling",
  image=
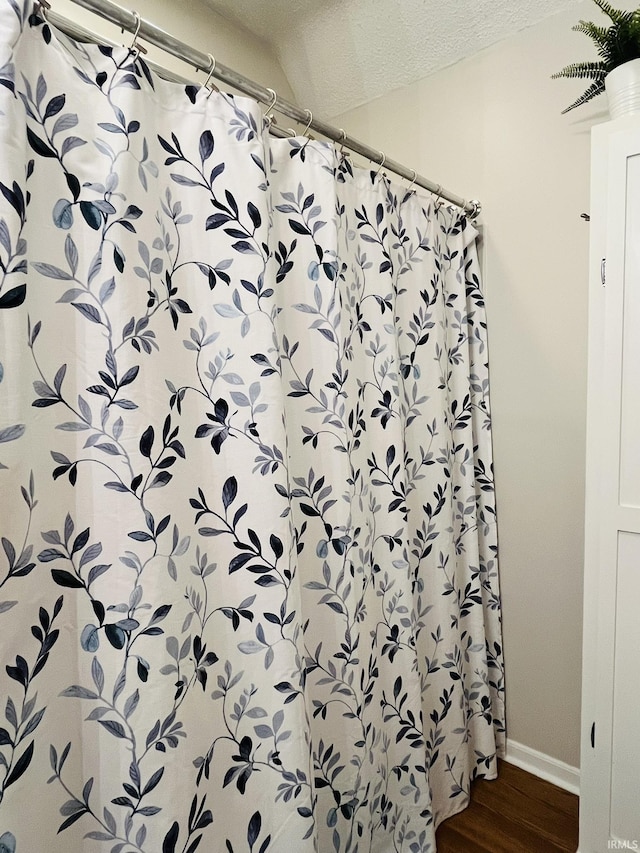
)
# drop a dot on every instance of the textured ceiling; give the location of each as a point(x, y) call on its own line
point(338, 54)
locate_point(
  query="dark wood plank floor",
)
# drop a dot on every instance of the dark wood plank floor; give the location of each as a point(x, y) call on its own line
point(515, 813)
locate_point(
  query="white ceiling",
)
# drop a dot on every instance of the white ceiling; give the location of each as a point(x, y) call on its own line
point(338, 54)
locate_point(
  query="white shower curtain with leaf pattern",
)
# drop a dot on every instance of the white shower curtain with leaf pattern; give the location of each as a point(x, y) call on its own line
point(248, 578)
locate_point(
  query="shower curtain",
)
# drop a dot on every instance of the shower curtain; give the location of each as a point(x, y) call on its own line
point(248, 581)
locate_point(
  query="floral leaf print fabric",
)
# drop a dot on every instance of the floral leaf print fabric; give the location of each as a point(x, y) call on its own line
point(248, 580)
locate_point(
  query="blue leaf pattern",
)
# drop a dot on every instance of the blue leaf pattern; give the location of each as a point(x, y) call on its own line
point(248, 527)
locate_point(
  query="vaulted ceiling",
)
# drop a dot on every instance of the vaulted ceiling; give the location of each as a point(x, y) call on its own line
point(338, 54)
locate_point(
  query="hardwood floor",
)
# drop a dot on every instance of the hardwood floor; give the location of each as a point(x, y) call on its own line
point(515, 813)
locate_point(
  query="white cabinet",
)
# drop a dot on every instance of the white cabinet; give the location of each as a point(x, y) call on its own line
point(610, 759)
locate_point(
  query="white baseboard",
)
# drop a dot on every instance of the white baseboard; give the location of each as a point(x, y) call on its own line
point(557, 772)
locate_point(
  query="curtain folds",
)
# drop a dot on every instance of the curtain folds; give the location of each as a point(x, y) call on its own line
point(248, 585)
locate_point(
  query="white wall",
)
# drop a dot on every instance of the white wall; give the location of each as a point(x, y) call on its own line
point(490, 128)
point(196, 24)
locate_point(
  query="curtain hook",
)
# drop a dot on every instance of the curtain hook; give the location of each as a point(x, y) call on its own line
point(342, 141)
point(274, 98)
point(212, 68)
point(310, 117)
point(437, 202)
point(382, 162)
point(44, 6)
point(476, 209)
point(268, 117)
point(413, 180)
point(136, 48)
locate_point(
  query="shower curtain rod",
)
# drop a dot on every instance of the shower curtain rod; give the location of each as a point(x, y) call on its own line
point(149, 32)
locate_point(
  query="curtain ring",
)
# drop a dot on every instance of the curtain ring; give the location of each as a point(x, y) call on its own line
point(274, 99)
point(44, 6)
point(413, 180)
point(310, 115)
point(437, 202)
point(268, 117)
point(212, 68)
point(477, 209)
point(474, 208)
point(382, 162)
point(136, 48)
point(342, 141)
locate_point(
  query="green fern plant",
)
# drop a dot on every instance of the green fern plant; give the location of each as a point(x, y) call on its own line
point(616, 44)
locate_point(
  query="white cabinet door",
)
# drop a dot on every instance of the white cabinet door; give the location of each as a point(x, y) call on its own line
point(610, 764)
